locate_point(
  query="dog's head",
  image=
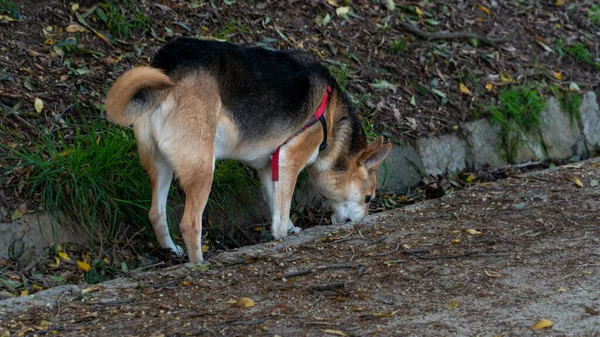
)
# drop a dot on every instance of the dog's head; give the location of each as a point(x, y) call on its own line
point(350, 190)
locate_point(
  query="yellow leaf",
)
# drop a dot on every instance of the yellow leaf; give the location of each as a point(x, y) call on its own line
point(24, 331)
point(332, 2)
point(577, 182)
point(505, 77)
point(75, 28)
point(473, 231)
point(244, 302)
point(39, 105)
point(559, 3)
point(485, 10)
point(24, 293)
point(334, 332)
point(100, 35)
point(22, 209)
point(92, 288)
point(542, 323)
point(84, 266)
point(49, 42)
point(470, 178)
point(341, 11)
point(489, 86)
point(6, 18)
point(186, 283)
point(562, 290)
point(557, 75)
point(463, 89)
point(74, 6)
point(205, 248)
point(419, 12)
point(63, 256)
point(383, 314)
point(454, 304)
point(37, 287)
point(456, 241)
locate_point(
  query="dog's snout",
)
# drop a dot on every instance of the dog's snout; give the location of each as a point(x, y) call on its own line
point(348, 220)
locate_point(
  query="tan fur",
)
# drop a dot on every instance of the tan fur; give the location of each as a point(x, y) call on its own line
point(185, 128)
point(126, 86)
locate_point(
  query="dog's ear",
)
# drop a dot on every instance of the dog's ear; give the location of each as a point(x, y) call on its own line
point(375, 154)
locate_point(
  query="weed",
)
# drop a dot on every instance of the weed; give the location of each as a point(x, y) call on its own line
point(519, 108)
point(10, 8)
point(230, 27)
point(570, 102)
point(399, 46)
point(122, 18)
point(340, 72)
point(594, 14)
point(579, 51)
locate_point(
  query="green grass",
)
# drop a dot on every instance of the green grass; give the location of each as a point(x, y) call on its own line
point(229, 28)
point(10, 9)
point(570, 102)
point(594, 14)
point(90, 175)
point(122, 18)
point(578, 51)
point(519, 108)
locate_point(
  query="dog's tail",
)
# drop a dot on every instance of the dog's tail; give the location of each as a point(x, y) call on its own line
point(121, 108)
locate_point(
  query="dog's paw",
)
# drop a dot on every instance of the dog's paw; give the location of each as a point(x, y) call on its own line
point(177, 251)
point(294, 230)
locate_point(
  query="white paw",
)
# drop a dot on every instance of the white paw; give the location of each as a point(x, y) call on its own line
point(178, 251)
point(294, 230)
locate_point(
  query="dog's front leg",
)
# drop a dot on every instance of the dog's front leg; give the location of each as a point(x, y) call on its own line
point(279, 217)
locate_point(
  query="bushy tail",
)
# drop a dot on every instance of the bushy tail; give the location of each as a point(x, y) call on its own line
point(119, 109)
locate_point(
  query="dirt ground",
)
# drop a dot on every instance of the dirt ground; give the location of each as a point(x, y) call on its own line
point(489, 260)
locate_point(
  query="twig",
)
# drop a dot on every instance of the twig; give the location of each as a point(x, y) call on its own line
point(442, 256)
point(252, 322)
point(110, 303)
point(312, 270)
point(450, 36)
point(329, 286)
point(390, 252)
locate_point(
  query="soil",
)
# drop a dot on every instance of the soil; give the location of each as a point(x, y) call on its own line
point(492, 259)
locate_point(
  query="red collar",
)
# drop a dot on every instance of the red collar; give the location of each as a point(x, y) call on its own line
point(319, 115)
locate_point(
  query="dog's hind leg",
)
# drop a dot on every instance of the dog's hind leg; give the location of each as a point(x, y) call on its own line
point(161, 175)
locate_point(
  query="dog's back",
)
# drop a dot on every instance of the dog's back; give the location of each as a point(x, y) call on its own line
point(263, 91)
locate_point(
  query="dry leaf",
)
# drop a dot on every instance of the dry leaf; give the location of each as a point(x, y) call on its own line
point(542, 323)
point(591, 311)
point(562, 290)
point(84, 266)
point(470, 178)
point(24, 293)
point(456, 241)
point(463, 89)
point(383, 314)
point(22, 209)
point(577, 182)
point(489, 86)
point(557, 75)
point(39, 105)
point(63, 256)
point(75, 28)
point(485, 10)
point(473, 231)
point(419, 12)
point(205, 248)
point(454, 304)
point(334, 332)
point(342, 11)
point(244, 302)
point(559, 3)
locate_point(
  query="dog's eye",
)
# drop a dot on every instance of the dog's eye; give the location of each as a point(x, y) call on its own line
point(367, 199)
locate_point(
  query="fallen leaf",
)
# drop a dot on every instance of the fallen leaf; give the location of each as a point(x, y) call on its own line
point(244, 302)
point(74, 7)
point(470, 178)
point(473, 231)
point(332, 2)
point(574, 87)
point(594, 183)
point(383, 314)
point(485, 10)
point(559, 3)
point(342, 11)
point(419, 12)
point(63, 256)
point(22, 209)
point(557, 75)
point(39, 105)
point(463, 89)
point(456, 241)
point(84, 266)
point(577, 182)
point(24, 293)
point(591, 311)
point(334, 332)
point(91, 289)
point(6, 18)
point(454, 304)
point(562, 290)
point(489, 86)
point(73, 28)
point(391, 5)
point(542, 323)
point(383, 84)
point(205, 248)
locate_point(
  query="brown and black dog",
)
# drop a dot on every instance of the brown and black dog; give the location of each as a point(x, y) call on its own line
point(203, 100)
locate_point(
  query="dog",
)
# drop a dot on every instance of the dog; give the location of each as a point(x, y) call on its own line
point(278, 111)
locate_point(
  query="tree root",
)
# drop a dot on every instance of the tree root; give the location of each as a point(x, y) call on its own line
point(450, 36)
